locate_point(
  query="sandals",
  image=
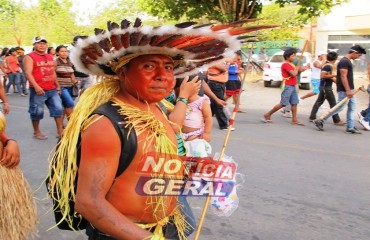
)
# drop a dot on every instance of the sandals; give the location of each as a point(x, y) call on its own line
point(40, 136)
point(264, 120)
point(297, 123)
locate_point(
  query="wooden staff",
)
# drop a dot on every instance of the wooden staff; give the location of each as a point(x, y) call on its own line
point(231, 123)
point(343, 101)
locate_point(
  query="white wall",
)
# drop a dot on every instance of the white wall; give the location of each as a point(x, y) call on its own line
point(348, 19)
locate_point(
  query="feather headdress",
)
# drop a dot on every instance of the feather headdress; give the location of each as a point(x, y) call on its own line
point(203, 45)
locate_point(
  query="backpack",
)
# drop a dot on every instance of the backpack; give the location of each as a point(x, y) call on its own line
point(129, 148)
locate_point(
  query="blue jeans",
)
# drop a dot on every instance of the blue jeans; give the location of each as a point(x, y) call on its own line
point(367, 111)
point(367, 114)
point(14, 78)
point(23, 82)
point(289, 96)
point(66, 96)
point(351, 105)
point(37, 103)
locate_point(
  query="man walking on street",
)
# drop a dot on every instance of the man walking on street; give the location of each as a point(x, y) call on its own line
point(44, 87)
point(345, 88)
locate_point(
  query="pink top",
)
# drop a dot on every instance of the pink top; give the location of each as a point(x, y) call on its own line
point(194, 117)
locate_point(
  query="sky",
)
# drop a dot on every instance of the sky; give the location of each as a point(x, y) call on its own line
point(84, 7)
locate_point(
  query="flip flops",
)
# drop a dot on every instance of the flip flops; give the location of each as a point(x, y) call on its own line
point(297, 123)
point(264, 120)
point(40, 136)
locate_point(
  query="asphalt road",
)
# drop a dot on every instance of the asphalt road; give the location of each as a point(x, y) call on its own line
point(298, 183)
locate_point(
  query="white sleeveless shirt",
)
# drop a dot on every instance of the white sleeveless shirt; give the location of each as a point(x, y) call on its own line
point(316, 72)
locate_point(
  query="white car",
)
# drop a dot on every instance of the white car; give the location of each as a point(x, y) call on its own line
point(272, 70)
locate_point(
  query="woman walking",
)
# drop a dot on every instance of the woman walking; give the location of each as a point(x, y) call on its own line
point(66, 78)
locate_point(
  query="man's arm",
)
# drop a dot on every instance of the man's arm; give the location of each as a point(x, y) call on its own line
point(4, 98)
point(2, 67)
point(317, 64)
point(343, 76)
point(96, 174)
point(210, 94)
point(11, 155)
point(187, 89)
point(57, 85)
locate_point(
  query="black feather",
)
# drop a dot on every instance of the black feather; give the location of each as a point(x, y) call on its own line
point(98, 31)
point(125, 23)
point(185, 24)
point(137, 23)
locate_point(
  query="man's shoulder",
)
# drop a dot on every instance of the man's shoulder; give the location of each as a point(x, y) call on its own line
point(287, 65)
point(344, 63)
point(327, 67)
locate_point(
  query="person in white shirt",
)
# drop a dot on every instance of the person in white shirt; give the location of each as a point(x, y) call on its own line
point(315, 77)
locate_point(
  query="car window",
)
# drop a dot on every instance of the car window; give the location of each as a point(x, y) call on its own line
point(277, 58)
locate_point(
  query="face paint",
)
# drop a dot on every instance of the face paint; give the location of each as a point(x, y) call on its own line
point(149, 77)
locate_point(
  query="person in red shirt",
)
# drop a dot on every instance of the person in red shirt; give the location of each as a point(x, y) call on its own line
point(44, 87)
point(289, 95)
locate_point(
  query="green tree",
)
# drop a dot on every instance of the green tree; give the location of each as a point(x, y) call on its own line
point(220, 10)
point(290, 22)
point(124, 9)
point(311, 8)
point(231, 10)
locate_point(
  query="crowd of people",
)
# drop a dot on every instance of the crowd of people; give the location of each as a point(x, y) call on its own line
point(138, 83)
point(325, 73)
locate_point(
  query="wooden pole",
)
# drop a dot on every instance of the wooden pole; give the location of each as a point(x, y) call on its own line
point(226, 140)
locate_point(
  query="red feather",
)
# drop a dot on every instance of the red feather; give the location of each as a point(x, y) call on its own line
point(125, 39)
point(181, 40)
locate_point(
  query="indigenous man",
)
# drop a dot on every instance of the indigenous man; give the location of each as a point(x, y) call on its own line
point(289, 94)
point(140, 64)
point(345, 88)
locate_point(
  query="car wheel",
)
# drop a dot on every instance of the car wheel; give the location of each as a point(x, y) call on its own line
point(305, 86)
point(267, 83)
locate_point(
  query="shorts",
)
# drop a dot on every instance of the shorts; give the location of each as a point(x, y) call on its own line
point(66, 96)
point(289, 96)
point(315, 86)
point(233, 87)
point(52, 100)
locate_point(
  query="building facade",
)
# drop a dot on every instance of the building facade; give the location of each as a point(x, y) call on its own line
point(345, 26)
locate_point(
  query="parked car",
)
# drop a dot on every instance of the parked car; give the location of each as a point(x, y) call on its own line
point(272, 70)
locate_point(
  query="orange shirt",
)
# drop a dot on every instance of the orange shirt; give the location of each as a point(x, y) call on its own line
point(12, 62)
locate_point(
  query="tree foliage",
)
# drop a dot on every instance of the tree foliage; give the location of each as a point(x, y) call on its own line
point(124, 9)
point(286, 17)
point(219, 10)
point(311, 8)
point(55, 19)
point(50, 18)
point(8, 9)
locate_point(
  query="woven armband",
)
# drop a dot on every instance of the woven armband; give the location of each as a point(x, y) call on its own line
point(181, 99)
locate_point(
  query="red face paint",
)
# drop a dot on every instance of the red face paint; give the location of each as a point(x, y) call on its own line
point(150, 77)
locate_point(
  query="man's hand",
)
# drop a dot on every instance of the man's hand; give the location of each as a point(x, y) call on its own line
point(6, 108)
point(349, 94)
point(189, 88)
point(39, 90)
point(221, 102)
point(11, 156)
